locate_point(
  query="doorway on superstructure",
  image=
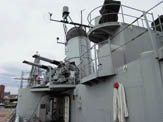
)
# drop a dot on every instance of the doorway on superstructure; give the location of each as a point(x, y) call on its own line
point(61, 108)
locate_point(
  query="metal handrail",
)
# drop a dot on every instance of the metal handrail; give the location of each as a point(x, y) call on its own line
point(142, 18)
point(90, 19)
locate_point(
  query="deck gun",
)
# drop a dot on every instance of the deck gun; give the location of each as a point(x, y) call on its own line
point(50, 71)
point(66, 72)
point(37, 65)
point(47, 60)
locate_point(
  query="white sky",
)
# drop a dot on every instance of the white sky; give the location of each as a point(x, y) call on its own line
point(25, 29)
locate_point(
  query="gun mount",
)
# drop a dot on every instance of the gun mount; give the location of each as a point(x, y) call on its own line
point(66, 72)
point(47, 60)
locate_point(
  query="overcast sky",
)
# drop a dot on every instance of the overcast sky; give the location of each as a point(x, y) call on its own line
point(25, 28)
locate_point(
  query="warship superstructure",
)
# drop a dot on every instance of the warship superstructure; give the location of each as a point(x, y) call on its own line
point(112, 72)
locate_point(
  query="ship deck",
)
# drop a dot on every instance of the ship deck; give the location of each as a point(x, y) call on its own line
point(58, 87)
point(6, 115)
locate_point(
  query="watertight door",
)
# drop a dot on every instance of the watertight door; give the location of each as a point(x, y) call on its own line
point(66, 109)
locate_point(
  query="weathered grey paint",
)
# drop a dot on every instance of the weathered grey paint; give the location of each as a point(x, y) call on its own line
point(143, 85)
point(29, 103)
point(135, 67)
point(138, 70)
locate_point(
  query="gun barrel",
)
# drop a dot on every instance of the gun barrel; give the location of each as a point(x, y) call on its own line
point(37, 65)
point(47, 60)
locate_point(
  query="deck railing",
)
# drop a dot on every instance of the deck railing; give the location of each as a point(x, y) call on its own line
point(137, 18)
point(126, 14)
